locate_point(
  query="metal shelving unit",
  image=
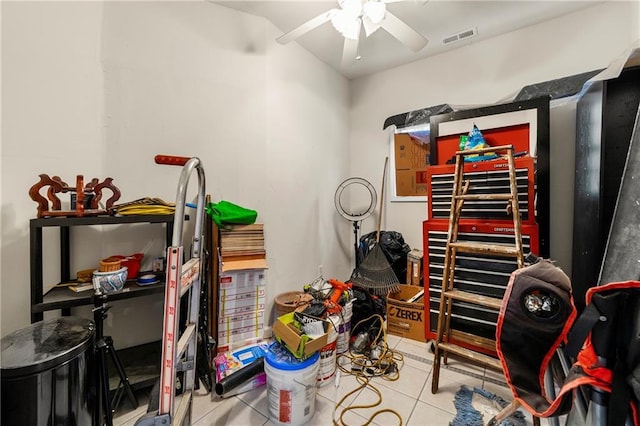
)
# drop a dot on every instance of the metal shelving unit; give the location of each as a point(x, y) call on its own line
point(62, 298)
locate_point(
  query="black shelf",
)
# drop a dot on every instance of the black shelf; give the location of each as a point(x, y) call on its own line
point(63, 298)
point(99, 220)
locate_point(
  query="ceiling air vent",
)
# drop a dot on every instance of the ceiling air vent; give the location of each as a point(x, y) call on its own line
point(461, 35)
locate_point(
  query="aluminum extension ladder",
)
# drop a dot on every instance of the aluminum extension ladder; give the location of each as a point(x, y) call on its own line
point(179, 341)
point(449, 293)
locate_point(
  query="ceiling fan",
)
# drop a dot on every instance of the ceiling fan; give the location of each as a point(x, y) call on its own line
point(351, 17)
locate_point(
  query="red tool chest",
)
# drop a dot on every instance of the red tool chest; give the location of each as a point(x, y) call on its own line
point(480, 274)
point(487, 177)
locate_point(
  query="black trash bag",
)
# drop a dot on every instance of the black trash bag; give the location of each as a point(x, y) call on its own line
point(364, 306)
point(393, 247)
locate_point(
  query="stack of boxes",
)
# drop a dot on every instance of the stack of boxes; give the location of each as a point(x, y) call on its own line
point(241, 286)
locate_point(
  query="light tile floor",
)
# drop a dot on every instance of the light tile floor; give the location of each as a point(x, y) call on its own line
point(410, 396)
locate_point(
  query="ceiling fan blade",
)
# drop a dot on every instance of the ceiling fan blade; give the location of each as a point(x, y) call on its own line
point(349, 52)
point(403, 32)
point(370, 27)
point(306, 27)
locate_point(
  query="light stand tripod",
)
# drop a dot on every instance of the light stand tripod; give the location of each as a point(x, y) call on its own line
point(104, 346)
point(357, 214)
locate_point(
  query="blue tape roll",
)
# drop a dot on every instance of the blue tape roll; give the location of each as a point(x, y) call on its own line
point(148, 279)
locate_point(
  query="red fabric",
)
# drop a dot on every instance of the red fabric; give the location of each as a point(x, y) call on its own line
point(609, 287)
point(636, 414)
point(588, 360)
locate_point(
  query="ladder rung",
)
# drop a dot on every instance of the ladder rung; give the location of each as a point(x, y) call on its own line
point(185, 339)
point(465, 296)
point(182, 403)
point(484, 197)
point(190, 272)
point(483, 150)
point(477, 357)
point(473, 339)
point(483, 248)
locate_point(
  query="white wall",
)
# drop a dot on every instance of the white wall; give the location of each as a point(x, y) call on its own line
point(484, 73)
point(307, 157)
point(52, 116)
point(123, 81)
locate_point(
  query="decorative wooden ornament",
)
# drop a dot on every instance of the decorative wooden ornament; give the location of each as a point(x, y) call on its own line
point(55, 186)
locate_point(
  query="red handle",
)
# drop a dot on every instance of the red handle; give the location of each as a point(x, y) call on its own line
point(171, 160)
point(336, 283)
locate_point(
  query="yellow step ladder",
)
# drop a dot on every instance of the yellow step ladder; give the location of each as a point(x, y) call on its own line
point(450, 294)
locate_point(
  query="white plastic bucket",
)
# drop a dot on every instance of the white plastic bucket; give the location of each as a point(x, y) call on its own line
point(291, 386)
point(327, 368)
point(344, 328)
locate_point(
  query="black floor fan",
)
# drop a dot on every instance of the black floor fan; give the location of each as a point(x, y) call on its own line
point(349, 207)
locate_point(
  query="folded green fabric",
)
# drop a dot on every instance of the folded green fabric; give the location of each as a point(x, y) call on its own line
point(226, 213)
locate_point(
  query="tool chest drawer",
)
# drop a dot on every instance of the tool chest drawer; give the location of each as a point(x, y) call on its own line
point(490, 177)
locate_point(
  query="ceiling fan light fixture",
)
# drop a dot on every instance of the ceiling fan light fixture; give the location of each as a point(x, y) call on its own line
point(374, 10)
point(345, 24)
point(352, 8)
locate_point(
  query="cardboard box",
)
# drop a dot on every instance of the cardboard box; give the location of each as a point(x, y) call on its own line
point(406, 319)
point(411, 163)
point(414, 267)
point(410, 154)
point(232, 301)
point(239, 310)
point(242, 278)
point(300, 345)
point(241, 292)
point(246, 319)
point(230, 336)
point(411, 182)
point(233, 329)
